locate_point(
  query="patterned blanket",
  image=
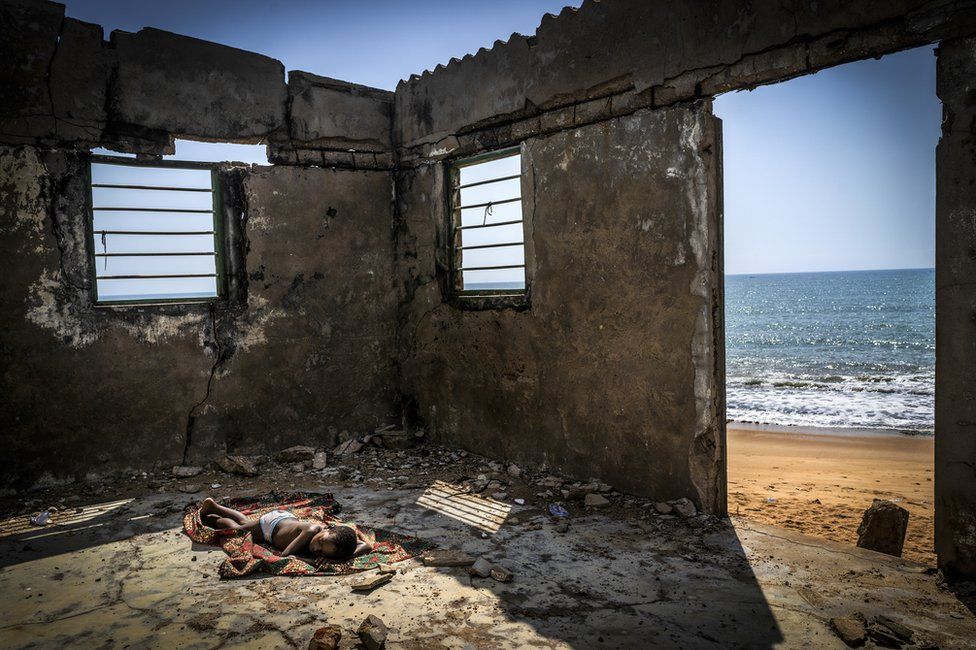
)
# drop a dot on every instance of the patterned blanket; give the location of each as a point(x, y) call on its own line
point(245, 556)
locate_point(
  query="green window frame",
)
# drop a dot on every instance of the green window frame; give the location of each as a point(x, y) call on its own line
point(130, 224)
point(485, 245)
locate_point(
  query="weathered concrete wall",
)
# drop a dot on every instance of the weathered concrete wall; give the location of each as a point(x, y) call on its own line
point(183, 85)
point(304, 352)
point(621, 55)
point(609, 372)
point(955, 311)
point(63, 86)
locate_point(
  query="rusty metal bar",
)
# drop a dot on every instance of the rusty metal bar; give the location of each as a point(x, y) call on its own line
point(471, 248)
point(152, 187)
point(489, 225)
point(153, 232)
point(153, 254)
point(492, 268)
point(150, 277)
point(486, 204)
point(194, 211)
point(493, 180)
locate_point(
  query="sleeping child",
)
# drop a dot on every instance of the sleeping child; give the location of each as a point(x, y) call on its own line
point(291, 536)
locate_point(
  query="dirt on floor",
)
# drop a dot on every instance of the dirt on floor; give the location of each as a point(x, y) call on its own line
point(591, 567)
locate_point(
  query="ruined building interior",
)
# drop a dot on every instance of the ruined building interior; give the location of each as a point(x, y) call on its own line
point(332, 300)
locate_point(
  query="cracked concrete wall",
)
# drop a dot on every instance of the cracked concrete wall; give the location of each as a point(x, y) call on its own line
point(955, 311)
point(303, 353)
point(302, 348)
point(589, 379)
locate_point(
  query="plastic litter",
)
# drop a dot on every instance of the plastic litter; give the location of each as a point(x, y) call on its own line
point(41, 518)
point(557, 510)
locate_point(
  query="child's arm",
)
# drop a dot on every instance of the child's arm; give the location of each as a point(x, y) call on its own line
point(300, 543)
point(362, 548)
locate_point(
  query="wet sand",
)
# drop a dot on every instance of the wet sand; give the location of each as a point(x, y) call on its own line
point(820, 481)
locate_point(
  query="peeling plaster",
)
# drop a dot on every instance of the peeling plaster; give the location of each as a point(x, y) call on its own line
point(45, 309)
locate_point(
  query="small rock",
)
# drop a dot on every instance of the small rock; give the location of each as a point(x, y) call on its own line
point(685, 508)
point(446, 558)
point(298, 468)
point(663, 508)
point(850, 630)
point(386, 568)
point(189, 488)
point(348, 448)
point(186, 471)
point(513, 470)
point(520, 502)
point(371, 581)
point(562, 527)
point(372, 632)
point(326, 638)
point(594, 500)
point(296, 454)
point(499, 496)
point(481, 568)
point(501, 574)
point(320, 460)
point(237, 465)
point(883, 528)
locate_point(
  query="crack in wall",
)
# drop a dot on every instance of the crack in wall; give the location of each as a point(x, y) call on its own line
point(190, 416)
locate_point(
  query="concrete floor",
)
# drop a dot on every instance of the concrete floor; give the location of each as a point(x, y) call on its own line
point(121, 574)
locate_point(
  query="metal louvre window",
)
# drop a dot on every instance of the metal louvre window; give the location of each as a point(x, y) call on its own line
point(155, 234)
point(488, 230)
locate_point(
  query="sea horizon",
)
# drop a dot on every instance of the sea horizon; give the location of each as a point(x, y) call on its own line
point(910, 268)
point(832, 349)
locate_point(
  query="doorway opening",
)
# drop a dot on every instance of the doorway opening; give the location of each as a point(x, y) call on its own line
point(829, 197)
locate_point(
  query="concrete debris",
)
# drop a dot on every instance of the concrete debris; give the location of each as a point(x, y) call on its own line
point(883, 528)
point(320, 461)
point(514, 471)
point(481, 568)
point(348, 448)
point(446, 558)
point(903, 633)
point(371, 581)
point(594, 500)
point(501, 574)
point(186, 471)
point(398, 440)
point(663, 508)
point(296, 454)
point(372, 633)
point(684, 507)
point(386, 568)
point(237, 465)
point(326, 638)
point(850, 630)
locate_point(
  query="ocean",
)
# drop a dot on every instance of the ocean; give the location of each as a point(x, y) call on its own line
point(840, 349)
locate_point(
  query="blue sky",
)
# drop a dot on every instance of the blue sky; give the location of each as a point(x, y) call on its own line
point(832, 171)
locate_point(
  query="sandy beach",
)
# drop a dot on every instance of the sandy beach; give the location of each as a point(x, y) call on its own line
point(820, 481)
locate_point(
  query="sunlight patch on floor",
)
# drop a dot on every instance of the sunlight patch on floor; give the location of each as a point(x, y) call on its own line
point(457, 503)
point(61, 522)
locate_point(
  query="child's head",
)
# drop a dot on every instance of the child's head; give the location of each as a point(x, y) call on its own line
point(336, 543)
